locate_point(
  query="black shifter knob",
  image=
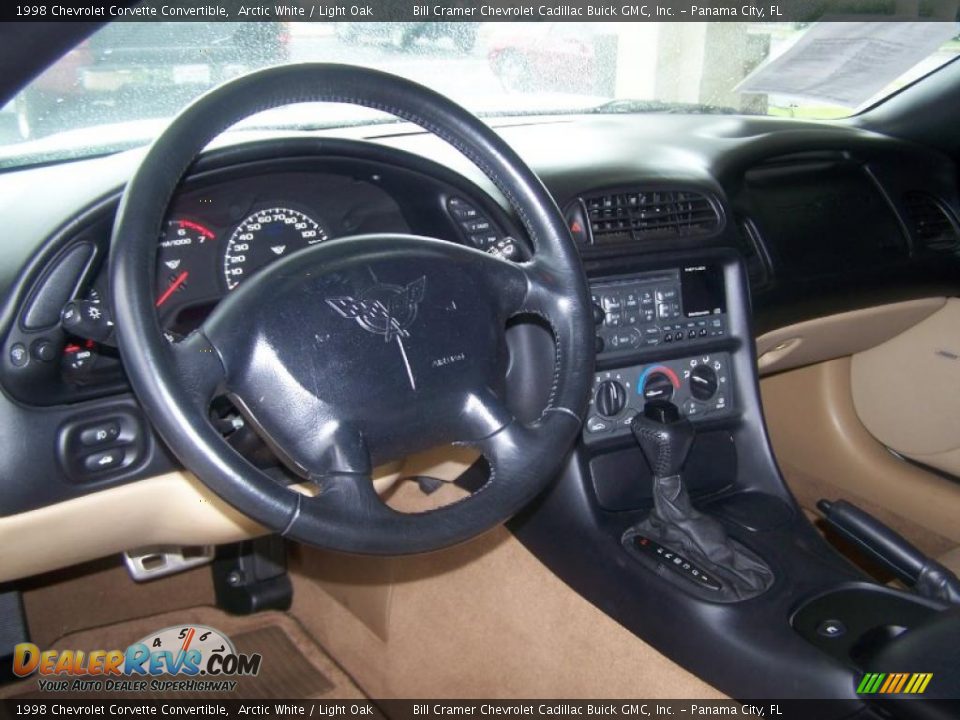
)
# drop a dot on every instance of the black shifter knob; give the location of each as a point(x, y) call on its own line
point(664, 437)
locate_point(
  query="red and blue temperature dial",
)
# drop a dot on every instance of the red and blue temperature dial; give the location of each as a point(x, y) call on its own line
point(657, 382)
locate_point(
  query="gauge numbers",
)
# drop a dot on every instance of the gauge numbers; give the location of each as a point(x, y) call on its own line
point(184, 248)
point(182, 638)
point(264, 237)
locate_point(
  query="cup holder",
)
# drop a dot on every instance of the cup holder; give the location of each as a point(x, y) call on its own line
point(856, 622)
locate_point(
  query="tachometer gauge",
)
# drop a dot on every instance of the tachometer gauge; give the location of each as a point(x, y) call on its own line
point(184, 248)
point(265, 236)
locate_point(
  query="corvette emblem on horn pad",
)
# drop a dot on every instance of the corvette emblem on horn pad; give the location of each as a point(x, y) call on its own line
point(385, 309)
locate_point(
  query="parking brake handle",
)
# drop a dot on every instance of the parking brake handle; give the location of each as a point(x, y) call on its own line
point(928, 577)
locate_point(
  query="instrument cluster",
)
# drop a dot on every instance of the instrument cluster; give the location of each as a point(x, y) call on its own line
point(188, 247)
point(223, 231)
point(219, 234)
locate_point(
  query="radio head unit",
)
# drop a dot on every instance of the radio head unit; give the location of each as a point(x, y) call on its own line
point(645, 310)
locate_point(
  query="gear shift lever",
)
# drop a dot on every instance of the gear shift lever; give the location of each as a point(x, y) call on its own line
point(665, 437)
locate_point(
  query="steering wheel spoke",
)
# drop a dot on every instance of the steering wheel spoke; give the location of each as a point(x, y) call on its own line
point(200, 368)
point(346, 494)
point(508, 282)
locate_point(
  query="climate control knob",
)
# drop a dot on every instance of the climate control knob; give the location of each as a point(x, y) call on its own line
point(703, 382)
point(657, 387)
point(611, 398)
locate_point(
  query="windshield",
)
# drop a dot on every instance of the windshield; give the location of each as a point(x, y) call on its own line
point(118, 88)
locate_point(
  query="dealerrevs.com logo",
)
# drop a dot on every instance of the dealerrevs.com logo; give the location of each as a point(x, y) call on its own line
point(186, 658)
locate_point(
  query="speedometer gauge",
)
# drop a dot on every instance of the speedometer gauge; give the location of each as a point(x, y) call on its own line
point(265, 236)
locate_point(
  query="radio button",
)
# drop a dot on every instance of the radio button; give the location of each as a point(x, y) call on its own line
point(611, 303)
point(598, 314)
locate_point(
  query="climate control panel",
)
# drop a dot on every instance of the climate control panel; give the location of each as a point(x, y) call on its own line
point(701, 386)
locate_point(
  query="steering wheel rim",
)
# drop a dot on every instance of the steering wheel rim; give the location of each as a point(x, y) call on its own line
point(175, 382)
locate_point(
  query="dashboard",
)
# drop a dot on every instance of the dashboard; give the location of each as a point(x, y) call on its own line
point(822, 217)
point(226, 223)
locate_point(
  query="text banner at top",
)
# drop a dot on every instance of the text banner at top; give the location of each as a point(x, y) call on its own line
point(473, 10)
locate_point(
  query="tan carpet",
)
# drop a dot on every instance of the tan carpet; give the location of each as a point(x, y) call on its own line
point(293, 666)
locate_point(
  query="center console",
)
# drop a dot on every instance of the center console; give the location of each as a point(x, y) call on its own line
point(661, 334)
point(674, 331)
point(659, 314)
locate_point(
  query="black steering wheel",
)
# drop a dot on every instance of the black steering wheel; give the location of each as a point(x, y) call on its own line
point(358, 350)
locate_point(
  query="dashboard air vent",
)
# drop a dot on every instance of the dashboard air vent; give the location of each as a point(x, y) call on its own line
point(619, 217)
point(930, 222)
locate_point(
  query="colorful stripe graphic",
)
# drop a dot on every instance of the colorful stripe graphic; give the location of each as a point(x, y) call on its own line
point(894, 683)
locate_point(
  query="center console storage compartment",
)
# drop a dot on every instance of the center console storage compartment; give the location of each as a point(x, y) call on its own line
point(622, 479)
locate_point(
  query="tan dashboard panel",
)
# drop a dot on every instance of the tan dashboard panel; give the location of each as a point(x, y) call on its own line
point(820, 443)
point(907, 390)
point(171, 509)
point(834, 336)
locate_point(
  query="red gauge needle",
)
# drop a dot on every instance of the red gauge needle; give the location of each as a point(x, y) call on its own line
point(177, 282)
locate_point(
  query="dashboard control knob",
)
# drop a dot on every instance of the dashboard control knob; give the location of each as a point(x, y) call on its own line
point(18, 355)
point(611, 398)
point(703, 382)
point(657, 387)
point(43, 350)
point(87, 319)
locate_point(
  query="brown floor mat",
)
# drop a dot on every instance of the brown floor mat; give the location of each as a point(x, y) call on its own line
point(293, 666)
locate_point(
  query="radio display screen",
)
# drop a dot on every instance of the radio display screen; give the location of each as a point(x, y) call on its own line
point(702, 289)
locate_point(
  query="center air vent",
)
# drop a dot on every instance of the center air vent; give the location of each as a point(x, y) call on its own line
point(621, 217)
point(930, 223)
